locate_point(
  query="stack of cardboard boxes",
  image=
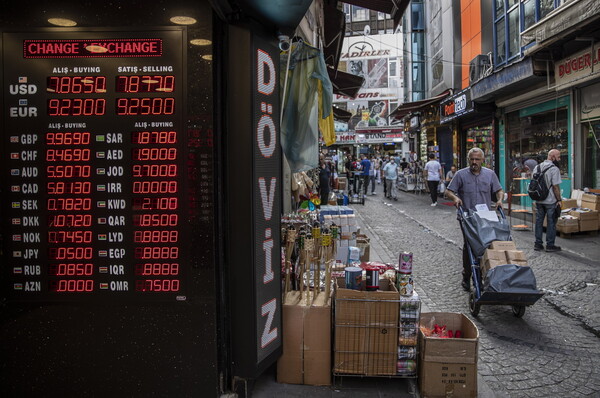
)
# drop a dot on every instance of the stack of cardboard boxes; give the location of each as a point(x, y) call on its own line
point(499, 253)
point(344, 217)
point(581, 213)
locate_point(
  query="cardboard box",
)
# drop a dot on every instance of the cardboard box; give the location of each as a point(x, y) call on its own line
point(366, 329)
point(448, 367)
point(583, 215)
point(492, 258)
point(568, 203)
point(364, 244)
point(503, 245)
point(516, 257)
point(306, 357)
point(590, 197)
point(590, 205)
point(588, 225)
point(567, 225)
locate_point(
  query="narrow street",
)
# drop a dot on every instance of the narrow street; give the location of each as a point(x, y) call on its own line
point(554, 349)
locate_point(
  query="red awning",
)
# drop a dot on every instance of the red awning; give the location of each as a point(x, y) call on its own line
point(409, 107)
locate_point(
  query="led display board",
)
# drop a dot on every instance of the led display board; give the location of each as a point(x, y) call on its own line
point(93, 166)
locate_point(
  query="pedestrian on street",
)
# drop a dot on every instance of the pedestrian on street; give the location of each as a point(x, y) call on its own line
point(324, 182)
point(386, 160)
point(391, 175)
point(433, 174)
point(365, 166)
point(372, 174)
point(471, 186)
point(450, 174)
point(550, 206)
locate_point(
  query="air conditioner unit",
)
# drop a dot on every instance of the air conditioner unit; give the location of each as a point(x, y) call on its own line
point(479, 67)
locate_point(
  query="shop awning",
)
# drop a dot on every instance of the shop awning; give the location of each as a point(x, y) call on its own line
point(341, 115)
point(345, 83)
point(395, 8)
point(333, 35)
point(415, 106)
point(570, 18)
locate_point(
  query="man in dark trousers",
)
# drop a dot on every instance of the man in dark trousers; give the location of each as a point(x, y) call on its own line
point(471, 186)
point(550, 206)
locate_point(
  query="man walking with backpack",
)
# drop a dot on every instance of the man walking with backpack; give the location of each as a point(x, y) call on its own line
point(550, 205)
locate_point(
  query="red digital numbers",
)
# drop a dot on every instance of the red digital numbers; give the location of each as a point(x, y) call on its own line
point(71, 269)
point(70, 220)
point(76, 84)
point(154, 170)
point(155, 220)
point(157, 285)
point(145, 154)
point(68, 138)
point(70, 236)
point(157, 269)
point(70, 253)
point(71, 187)
point(69, 204)
point(155, 187)
point(145, 106)
point(152, 252)
point(76, 107)
point(68, 171)
point(155, 236)
point(155, 204)
point(145, 84)
point(72, 285)
point(154, 137)
point(68, 155)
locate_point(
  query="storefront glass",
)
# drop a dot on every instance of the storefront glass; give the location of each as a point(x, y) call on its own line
point(591, 155)
point(482, 137)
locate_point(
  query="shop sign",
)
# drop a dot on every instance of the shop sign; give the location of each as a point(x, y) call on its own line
point(345, 138)
point(578, 68)
point(590, 102)
point(374, 136)
point(414, 121)
point(457, 105)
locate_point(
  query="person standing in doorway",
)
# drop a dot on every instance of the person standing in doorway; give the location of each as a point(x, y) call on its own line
point(471, 186)
point(391, 175)
point(433, 174)
point(549, 207)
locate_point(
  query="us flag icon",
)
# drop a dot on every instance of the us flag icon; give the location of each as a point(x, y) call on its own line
point(22, 79)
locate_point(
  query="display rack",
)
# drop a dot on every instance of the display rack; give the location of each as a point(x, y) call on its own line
point(523, 205)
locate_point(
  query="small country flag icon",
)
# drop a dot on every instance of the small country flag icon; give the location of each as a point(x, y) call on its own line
point(15, 188)
point(18, 286)
point(101, 203)
point(16, 238)
point(14, 172)
point(104, 286)
point(14, 139)
point(17, 270)
point(22, 102)
point(22, 79)
point(14, 155)
point(103, 270)
point(100, 171)
point(100, 138)
point(101, 236)
point(16, 221)
point(102, 253)
point(100, 155)
point(16, 205)
point(17, 253)
point(101, 188)
point(101, 220)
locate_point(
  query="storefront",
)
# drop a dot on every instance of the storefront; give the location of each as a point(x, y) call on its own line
point(530, 132)
point(589, 117)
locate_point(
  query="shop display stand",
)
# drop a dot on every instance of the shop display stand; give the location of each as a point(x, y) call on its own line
point(524, 206)
point(411, 182)
point(376, 338)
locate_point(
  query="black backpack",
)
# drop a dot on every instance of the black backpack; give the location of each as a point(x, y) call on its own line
point(538, 189)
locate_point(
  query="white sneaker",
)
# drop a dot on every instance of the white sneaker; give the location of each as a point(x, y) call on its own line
point(373, 193)
point(434, 204)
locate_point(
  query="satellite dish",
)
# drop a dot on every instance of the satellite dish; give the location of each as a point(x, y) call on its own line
point(367, 30)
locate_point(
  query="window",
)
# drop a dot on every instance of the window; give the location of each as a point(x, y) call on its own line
point(500, 42)
point(528, 13)
point(513, 33)
point(417, 17)
point(360, 14)
point(393, 68)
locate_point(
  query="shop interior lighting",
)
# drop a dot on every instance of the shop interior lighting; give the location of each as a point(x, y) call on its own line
point(182, 20)
point(96, 49)
point(207, 57)
point(62, 22)
point(200, 42)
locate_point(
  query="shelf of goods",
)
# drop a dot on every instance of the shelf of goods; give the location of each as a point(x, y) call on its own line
point(523, 205)
point(375, 333)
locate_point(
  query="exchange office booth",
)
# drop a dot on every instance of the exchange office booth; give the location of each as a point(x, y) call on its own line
point(140, 234)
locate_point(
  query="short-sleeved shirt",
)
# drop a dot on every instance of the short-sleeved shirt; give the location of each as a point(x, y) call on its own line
point(552, 177)
point(390, 171)
point(433, 170)
point(365, 166)
point(475, 189)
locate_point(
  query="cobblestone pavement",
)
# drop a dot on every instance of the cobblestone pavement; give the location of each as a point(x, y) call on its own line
point(554, 350)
